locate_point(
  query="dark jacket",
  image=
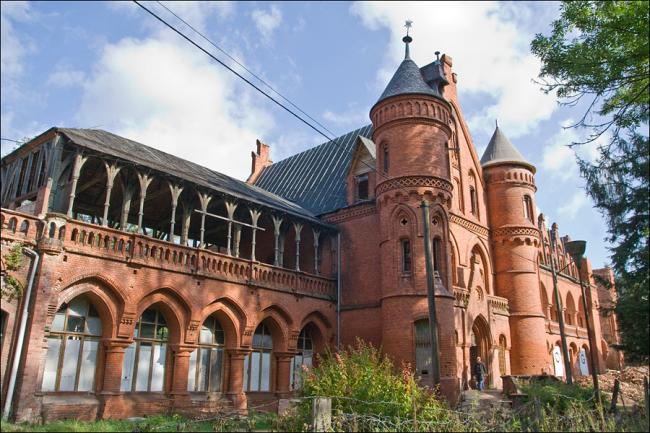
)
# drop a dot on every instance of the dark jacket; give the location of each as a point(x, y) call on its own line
point(479, 369)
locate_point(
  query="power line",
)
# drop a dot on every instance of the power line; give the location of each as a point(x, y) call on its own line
point(244, 67)
point(232, 70)
point(9, 139)
point(335, 140)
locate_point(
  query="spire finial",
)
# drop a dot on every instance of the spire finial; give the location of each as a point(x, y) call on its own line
point(437, 53)
point(407, 39)
point(496, 123)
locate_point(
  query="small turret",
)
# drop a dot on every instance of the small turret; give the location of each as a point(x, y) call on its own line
point(510, 187)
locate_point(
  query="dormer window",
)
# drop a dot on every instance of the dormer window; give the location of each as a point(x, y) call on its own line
point(362, 187)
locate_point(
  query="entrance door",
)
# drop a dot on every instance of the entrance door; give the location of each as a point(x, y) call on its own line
point(480, 346)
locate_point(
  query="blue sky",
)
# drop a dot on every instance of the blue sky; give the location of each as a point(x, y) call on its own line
point(112, 66)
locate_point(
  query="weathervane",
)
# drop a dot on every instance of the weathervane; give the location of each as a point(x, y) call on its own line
point(408, 26)
point(407, 39)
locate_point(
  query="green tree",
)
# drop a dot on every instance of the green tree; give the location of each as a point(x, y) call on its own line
point(598, 54)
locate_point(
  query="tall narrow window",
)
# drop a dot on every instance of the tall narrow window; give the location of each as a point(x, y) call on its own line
point(362, 187)
point(206, 362)
point(303, 357)
point(406, 256)
point(144, 359)
point(437, 255)
point(386, 158)
point(72, 345)
point(473, 201)
point(257, 364)
point(3, 325)
point(422, 348)
point(502, 354)
point(528, 208)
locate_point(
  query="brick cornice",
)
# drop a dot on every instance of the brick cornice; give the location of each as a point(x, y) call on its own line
point(414, 181)
point(512, 231)
point(351, 213)
point(469, 225)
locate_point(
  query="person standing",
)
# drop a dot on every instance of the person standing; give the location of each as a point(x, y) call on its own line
point(480, 372)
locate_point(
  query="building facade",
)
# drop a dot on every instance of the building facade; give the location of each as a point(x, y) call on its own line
point(153, 284)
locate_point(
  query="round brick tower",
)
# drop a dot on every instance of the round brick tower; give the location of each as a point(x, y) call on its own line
point(510, 185)
point(411, 129)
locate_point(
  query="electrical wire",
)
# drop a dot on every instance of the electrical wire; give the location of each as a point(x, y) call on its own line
point(181, 34)
point(244, 67)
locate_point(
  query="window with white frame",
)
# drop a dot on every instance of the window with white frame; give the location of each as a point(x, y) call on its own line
point(304, 357)
point(145, 359)
point(205, 373)
point(72, 346)
point(257, 364)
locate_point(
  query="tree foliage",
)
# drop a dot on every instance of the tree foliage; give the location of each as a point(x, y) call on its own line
point(11, 286)
point(599, 52)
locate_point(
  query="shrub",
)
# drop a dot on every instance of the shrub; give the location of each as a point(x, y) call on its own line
point(367, 393)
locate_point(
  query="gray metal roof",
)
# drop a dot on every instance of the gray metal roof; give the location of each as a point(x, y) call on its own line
point(129, 150)
point(316, 178)
point(407, 80)
point(501, 151)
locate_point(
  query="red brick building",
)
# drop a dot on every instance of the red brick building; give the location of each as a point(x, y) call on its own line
point(154, 284)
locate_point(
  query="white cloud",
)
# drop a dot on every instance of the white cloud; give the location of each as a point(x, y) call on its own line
point(65, 76)
point(198, 13)
point(13, 49)
point(490, 48)
point(559, 159)
point(267, 21)
point(161, 94)
point(571, 208)
point(354, 116)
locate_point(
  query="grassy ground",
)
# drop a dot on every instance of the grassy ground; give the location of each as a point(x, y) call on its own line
point(255, 422)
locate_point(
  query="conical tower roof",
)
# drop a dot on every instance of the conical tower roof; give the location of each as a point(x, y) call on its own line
point(501, 151)
point(407, 79)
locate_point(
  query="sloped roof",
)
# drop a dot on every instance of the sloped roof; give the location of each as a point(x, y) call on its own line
point(316, 178)
point(500, 150)
point(120, 147)
point(407, 80)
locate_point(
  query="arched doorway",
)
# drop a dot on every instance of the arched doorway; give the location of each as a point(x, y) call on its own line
point(479, 347)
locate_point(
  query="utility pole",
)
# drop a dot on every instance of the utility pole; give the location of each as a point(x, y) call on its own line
point(576, 250)
point(560, 315)
point(433, 324)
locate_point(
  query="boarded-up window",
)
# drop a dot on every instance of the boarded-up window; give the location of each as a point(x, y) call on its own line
point(422, 348)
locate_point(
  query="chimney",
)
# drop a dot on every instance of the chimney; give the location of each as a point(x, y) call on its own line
point(260, 160)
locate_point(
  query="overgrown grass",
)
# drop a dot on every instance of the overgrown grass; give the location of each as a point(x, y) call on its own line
point(253, 422)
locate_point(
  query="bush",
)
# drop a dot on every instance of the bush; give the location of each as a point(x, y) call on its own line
point(367, 393)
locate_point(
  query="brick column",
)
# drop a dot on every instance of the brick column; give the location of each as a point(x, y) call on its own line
point(283, 381)
point(111, 397)
point(181, 367)
point(235, 386)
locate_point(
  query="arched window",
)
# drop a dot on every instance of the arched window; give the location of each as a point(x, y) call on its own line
point(528, 209)
point(206, 362)
point(422, 348)
point(303, 357)
point(459, 195)
point(386, 158)
point(72, 345)
point(257, 365)
point(473, 201)
point(144, 359)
